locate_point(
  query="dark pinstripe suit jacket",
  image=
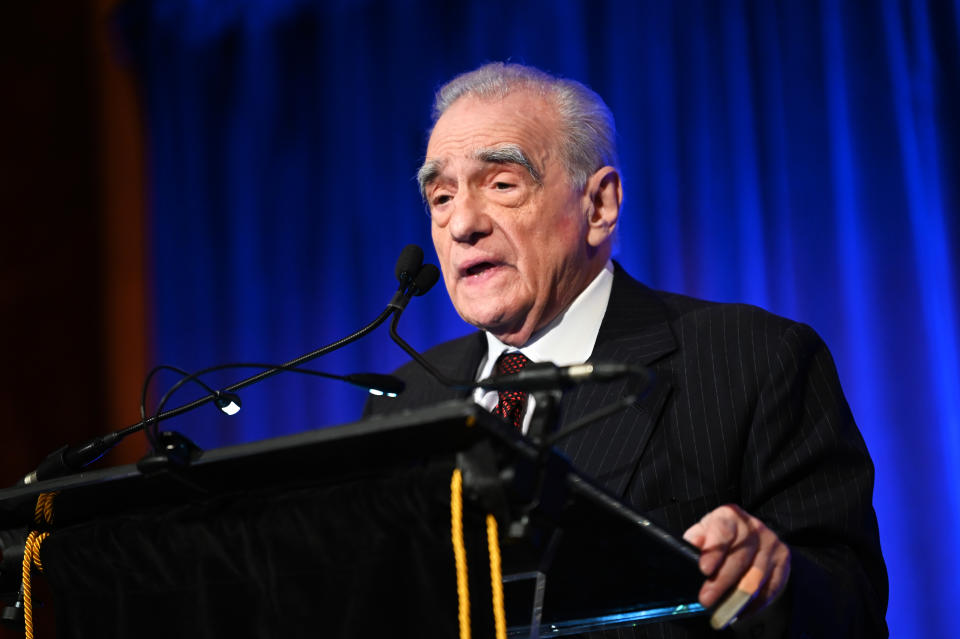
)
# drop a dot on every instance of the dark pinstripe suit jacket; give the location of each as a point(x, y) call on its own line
point(747, 408)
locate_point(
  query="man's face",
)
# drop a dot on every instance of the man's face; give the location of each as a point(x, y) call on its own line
point(511, 239)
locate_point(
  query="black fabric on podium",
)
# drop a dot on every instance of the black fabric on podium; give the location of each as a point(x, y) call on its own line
point(362, 559)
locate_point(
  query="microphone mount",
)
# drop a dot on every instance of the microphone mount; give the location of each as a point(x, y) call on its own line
point(67, 459)
point(545, 380)
point(70, 459)
point(549, 376)
point(407, 270)
point(377, 384)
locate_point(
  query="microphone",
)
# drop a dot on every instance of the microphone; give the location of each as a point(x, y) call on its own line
point(70, 459)
point(67, 459)
point(536, 377)
point(426, 278)
point(549, 376)
point(374, 383)
point(408, 264)
point(533, 377)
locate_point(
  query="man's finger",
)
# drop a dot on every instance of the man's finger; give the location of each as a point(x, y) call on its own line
point(694, 535)
point(779, 563)
point(725, 532)
point(729, 549)
point(731, 568)
point(743, 559)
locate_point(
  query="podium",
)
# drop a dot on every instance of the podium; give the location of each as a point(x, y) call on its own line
point(345, 531)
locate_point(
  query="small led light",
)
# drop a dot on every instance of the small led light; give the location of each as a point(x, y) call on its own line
point(231, 408)
point(376, 391)
point(227, 402)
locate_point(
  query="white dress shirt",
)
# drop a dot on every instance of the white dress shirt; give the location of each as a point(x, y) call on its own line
point(568, 339)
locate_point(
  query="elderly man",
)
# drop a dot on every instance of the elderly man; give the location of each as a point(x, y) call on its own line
point(745, 446)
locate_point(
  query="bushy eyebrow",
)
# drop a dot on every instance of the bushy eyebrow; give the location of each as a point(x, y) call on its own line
point(427, 173)
point(508, 154)
point(505, 154)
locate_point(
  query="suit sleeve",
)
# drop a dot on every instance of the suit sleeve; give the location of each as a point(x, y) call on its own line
point(807, 475)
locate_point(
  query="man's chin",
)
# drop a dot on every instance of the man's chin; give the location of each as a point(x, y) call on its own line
point(496, 309)
point(486, 319)
point(514, 332)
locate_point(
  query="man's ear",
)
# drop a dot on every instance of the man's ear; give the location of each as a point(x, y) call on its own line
point(602, 198)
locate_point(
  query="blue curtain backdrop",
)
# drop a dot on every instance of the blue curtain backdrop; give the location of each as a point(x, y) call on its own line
point(797, 155)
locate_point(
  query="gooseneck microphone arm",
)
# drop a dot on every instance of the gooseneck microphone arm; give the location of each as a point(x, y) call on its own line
point(536, 377)
point(422, 361)
point(407, 266)
point(70, 459)
point(455, 384)
point(426, 278)
point(382, 384)
point(152, 422)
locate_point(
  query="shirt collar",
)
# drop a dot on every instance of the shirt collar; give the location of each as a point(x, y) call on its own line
point(570, 337)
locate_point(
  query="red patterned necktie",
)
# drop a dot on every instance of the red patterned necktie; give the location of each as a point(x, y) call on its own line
point(511, 404)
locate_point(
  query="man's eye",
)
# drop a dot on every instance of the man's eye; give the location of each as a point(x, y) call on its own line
point(441, 199)
point(502, 186)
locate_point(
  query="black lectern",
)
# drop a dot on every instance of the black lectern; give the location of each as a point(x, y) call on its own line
point(346, 532)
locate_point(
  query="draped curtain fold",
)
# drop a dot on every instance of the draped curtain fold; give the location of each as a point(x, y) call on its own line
point(801, 156)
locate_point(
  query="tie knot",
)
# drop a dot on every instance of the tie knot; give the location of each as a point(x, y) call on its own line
point(510, 363)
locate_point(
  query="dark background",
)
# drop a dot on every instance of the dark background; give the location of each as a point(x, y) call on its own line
point(235, 180)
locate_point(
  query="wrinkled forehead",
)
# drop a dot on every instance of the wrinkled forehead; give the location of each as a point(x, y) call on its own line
point(520, 128)
point(523, 119)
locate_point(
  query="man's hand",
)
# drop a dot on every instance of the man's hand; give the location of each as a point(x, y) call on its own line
point(732, 543)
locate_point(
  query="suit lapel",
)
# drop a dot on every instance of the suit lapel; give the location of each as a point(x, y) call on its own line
point(635, 330)
point(465, 366)
point(457, 359)
point(460, 364)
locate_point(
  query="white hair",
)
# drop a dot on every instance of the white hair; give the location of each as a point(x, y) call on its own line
point(588, 130)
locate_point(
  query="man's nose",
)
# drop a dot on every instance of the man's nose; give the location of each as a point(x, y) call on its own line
point(470, 219)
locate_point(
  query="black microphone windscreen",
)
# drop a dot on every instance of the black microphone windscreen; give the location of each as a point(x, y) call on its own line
point(411, 257)
point(426, 278)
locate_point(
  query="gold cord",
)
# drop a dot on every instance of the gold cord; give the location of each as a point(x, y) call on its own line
point(460, 559)
point(31, 557)
point(496, 578)
point(42, 514)
point(459, 552)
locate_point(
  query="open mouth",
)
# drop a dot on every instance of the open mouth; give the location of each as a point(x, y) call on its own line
point(479, 268)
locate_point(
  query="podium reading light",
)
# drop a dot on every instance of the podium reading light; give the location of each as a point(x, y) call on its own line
point(69, 459)
point(376, 384)
point(228, 402)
